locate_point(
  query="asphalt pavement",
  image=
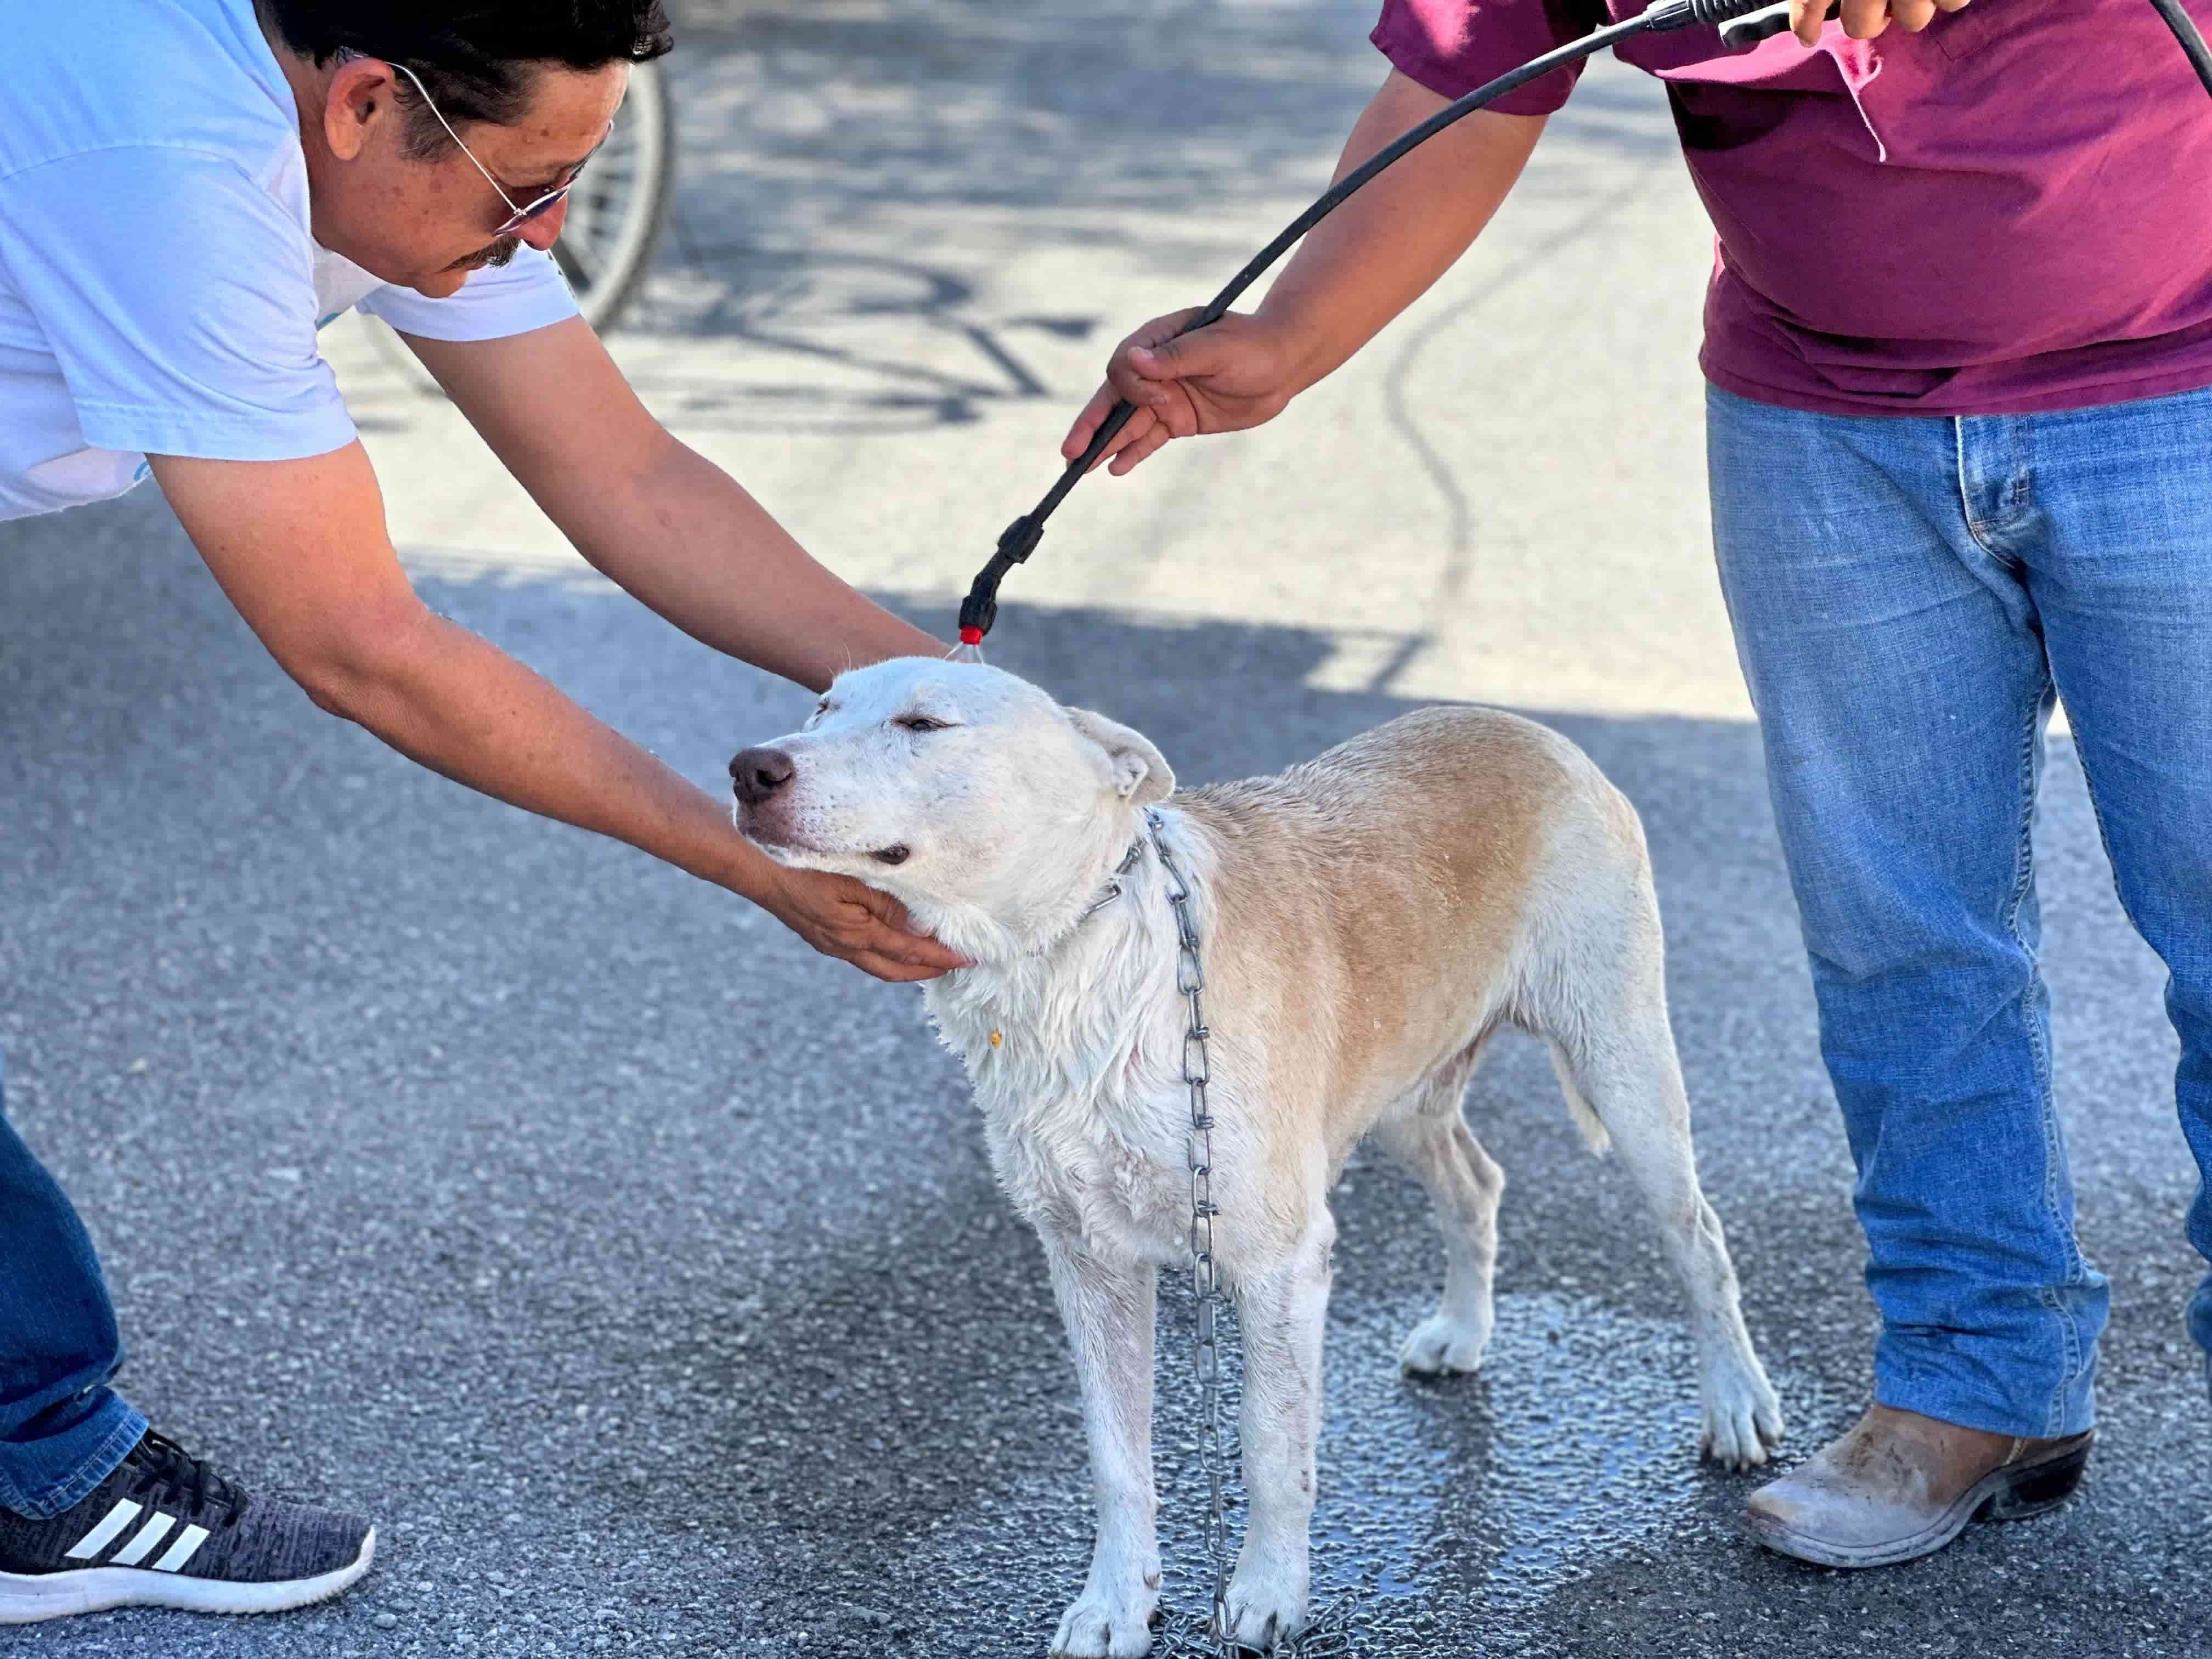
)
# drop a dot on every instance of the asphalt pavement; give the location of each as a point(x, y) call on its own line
point(641, 1272)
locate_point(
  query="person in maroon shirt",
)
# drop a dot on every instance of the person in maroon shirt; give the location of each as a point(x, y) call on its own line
point(1957, 349)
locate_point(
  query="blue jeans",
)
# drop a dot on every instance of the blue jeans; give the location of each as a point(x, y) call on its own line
point(1907, 593)
point(63, 1429)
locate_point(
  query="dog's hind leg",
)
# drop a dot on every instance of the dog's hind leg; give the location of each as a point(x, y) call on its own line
point(1603, 1009)
point(1107, 1308)
point(1428, 1136)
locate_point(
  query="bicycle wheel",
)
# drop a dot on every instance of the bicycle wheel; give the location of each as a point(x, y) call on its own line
point(620, 205)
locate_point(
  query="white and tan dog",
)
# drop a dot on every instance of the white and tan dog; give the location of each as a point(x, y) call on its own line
point(1368, 919)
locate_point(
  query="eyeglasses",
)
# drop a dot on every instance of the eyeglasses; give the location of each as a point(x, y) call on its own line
point(517, 216)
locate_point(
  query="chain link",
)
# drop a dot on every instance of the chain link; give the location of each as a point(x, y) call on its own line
point(1326, 1637)
point(1204, 1271)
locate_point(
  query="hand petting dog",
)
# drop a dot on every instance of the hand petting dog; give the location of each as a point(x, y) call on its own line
point(856, 923)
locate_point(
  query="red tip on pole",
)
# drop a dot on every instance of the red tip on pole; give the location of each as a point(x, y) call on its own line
point(971, 636)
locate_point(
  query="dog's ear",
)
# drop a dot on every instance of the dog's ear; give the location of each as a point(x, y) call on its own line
point(1140, 772)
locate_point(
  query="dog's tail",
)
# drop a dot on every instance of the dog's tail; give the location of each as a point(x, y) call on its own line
point(1586, 1121)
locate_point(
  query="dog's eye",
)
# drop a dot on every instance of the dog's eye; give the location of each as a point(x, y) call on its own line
point(920, 723)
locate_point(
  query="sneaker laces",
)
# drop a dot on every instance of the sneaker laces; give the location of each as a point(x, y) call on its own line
point(178, 1479)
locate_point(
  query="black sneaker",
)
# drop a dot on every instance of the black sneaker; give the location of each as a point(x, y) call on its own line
point(164, 1530)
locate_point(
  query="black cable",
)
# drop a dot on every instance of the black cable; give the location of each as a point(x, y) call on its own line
point(1341, 191)
point(2192, 42)
point(979, 610)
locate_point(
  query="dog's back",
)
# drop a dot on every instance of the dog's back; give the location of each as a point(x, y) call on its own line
point(1377, 899)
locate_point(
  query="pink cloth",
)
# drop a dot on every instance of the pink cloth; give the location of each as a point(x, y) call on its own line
point(2009, 211)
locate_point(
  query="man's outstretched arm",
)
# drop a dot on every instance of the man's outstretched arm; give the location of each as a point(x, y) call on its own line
point(301, 549)
point(655, 516)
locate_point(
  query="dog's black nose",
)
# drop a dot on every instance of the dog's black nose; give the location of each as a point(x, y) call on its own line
point(757, 773)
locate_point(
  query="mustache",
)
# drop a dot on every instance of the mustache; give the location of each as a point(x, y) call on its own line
point(497, 254)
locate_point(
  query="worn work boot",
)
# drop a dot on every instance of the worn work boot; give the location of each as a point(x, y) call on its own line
point(1900, 1486)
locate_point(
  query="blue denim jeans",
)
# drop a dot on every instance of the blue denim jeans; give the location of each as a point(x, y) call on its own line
point(63, 1429)
point(1907, 593)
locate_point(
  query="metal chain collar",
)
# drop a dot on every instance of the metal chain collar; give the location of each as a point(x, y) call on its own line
point(1188, 1638)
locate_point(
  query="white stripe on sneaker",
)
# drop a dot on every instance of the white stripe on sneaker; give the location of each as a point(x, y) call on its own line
point(101, 1535)
point(182, 1552)
point(140, 1546)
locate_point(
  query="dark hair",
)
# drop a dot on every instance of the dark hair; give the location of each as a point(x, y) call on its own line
point(478, 57)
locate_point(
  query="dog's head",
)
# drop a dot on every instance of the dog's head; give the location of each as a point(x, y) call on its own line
point(963, 791)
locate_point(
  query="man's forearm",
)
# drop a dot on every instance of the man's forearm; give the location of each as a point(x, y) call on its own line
point(667, 525)
point(449, 700)
point(299, 547)
point(1383, 249)
point(698, 549)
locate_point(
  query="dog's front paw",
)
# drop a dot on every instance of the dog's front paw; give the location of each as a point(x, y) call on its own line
point(1266, 1606)
point(1441, 1346)
point(1101, 1625)
point(1743, 1417)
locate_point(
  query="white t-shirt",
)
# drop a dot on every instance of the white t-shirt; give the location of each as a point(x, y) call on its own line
point(159, 290)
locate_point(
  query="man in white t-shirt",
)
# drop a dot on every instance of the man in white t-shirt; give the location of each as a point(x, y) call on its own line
point(188, 190)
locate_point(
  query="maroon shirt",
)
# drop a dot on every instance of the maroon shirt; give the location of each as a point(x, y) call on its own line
point(2011, 210)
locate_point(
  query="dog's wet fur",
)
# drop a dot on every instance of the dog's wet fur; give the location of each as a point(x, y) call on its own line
point(1368, 919)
